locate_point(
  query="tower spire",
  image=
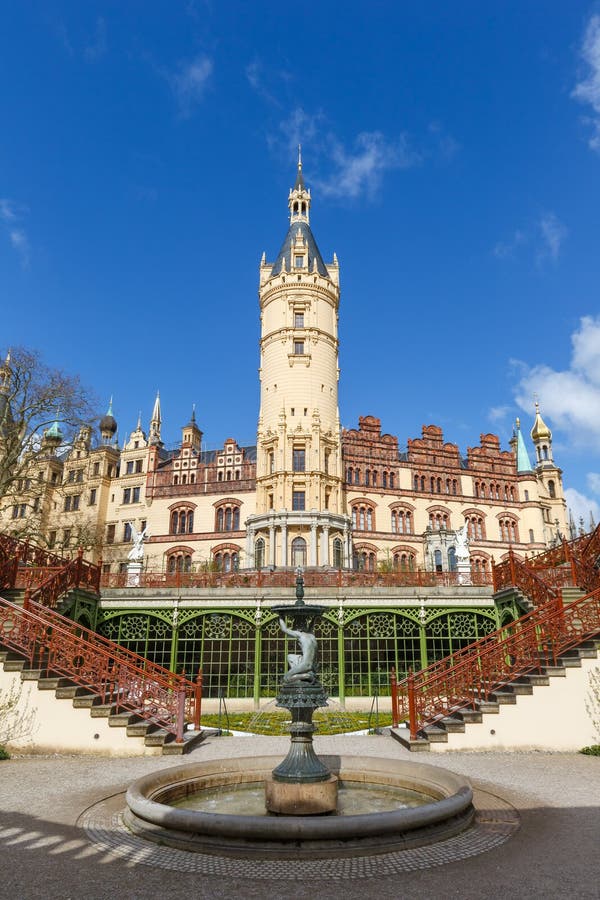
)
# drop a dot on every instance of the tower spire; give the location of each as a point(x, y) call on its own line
point(155, 423)
point(299, 198)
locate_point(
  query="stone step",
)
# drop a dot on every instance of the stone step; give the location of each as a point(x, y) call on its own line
point(581, 652)
point(140, 728)
point(86, 701)
point(69, 691)
point(156, 738)
point(518, 687)
point(489, 707)
point(555, 671)
point(468, 715)
point(570, 662)
point(402, 735)
point(536, 679)
point(122, 720)
point(452, 725)
point(53, 683)
point(435, 734)
point(191, 739)
point(102, 710)
point(504, 697)
point(31, 674)
point(14, 665)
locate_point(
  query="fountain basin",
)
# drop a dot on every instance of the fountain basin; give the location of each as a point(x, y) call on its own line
point(447, 810)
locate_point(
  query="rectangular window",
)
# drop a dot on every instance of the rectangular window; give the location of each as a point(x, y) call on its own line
point(127, 495)
point(270, 501)
point(15, 512)
point(75, 503)
point(22, 510)
point(298, 459)
point(96, 470)
point(299, 261)
point(36, 504)
point(71, 475)
point(298, 500)
point(298, 320)
point(138, 465)
point(79, 475)
point(51, 539)
point(135, 495)
point(68, 504)
point(93, 497)
point(110, 534)
point(129, 468)
point(127, 531)
point(299, 348)
point(66, 537)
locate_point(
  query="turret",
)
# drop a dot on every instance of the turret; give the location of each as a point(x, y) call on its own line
point(155, 423)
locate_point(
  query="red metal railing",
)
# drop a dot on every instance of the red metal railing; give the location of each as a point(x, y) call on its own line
point(24, 566)
point(285, 578)
point(515, 572)
point(119, 677)
point(469, 676)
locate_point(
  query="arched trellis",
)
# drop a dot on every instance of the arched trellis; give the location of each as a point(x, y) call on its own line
point(242, 652)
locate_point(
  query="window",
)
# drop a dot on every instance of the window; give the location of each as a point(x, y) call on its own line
point(227, 518)
point(338, 553)
point(51, 539)
point(298, 552)
point(363, 518)
point(259, 554)
point(68, 501)
point(135, 495)
point(129, 468)
point(299, 348)
point(298, 261)
point(551, 489)
point(531, 536)
point(36, 504)
point(437, 556)
point(110, 534)
point(15, 511)
point(475, 527)
point(298, 502)
point(508, 531)
point(439, 521)
point(127, 495)
point(526, 496)
point(402, 522)
point(66, 537)
point(298, 459)
point(298, 320)
point(96, 469)
point(76, 500)
point(127, 531)
point(138, 465)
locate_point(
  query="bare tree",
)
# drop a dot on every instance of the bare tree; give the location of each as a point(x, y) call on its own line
point(38, 405)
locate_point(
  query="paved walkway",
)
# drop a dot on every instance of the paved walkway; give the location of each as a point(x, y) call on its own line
point(555, 853)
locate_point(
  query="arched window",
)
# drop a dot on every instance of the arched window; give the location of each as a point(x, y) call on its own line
point(338, 553)
point(391, 480)
point(181, 521)
point(452, 559)
point(298, 552)
point(551, 489)
point(509, 531)
point(179, 560)
point(363, 517)
point(437, 558)
point(227, 516)
point(259, 554)
point(220, 519)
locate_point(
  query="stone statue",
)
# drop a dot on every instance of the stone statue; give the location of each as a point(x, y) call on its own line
point(137, 551)
point(302, 665)
point(462, 543)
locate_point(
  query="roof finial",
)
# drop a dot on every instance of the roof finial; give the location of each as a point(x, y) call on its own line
point(299, 156)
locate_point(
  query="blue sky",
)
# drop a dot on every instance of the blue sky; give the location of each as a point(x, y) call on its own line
point(453, 151)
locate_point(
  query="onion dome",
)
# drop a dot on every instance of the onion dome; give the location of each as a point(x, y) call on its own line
point(540, 431)
point(108, 424)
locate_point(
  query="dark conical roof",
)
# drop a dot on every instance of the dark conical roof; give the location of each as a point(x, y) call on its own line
point(286, 249)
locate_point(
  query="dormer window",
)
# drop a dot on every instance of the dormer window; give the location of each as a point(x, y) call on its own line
point(298, 261)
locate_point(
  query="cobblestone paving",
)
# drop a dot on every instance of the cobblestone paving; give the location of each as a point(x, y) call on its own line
point(496, 821)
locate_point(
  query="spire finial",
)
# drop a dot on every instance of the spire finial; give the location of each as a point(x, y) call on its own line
point(299, 156)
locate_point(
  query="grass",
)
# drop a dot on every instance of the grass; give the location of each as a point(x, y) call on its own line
point(278, 722)
point(594, 750)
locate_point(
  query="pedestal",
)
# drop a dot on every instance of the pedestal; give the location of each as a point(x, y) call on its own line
point(289, 799)
point(134, 570)
point(464, 571)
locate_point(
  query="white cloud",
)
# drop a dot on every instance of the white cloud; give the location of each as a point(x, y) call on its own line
point(581, 507)
point(361, 169)
point(593, 480)
point(571, 397)
point(19, 240)
point(10, 215)
point(498, 413)
point(553, 233)
point(544, 238)
point(190, 82)
point(588, 90)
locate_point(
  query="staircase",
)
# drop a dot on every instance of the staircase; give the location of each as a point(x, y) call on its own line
point(543, 649)
point(37, 644)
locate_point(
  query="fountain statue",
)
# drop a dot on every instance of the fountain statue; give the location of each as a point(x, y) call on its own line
point(301, 784)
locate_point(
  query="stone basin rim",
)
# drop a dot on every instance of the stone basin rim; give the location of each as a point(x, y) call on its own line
point(451, 796)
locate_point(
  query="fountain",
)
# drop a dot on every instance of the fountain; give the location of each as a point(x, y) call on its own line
point(304, 806)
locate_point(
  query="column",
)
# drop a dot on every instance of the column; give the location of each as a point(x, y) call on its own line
point(272, 547)
point(284, 544)
point(250, 547)
point(325, 545)
point(313, 544)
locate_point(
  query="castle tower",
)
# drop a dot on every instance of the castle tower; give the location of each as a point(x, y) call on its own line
point(549, 476)
point(300, 516)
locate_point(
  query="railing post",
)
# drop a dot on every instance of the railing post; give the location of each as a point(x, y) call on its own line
point(98, 575)
point(198, 700)
point(513, 570)
point(394, 690)
point(79, 566)
point(27, 597)
point(412, 706)
point(180, 714)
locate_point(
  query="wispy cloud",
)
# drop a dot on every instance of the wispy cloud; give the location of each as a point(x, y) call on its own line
point(97, 48)
point(582, 508)
point(588, 89)
point(344, 169)
point(570, 397)
point(10, 216)
point(189, 83)
point(498, 413)
point(543, 238)
point(265, 81)
point(553, 233)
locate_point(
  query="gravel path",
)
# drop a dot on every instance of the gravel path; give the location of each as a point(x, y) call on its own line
point(555, 854)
